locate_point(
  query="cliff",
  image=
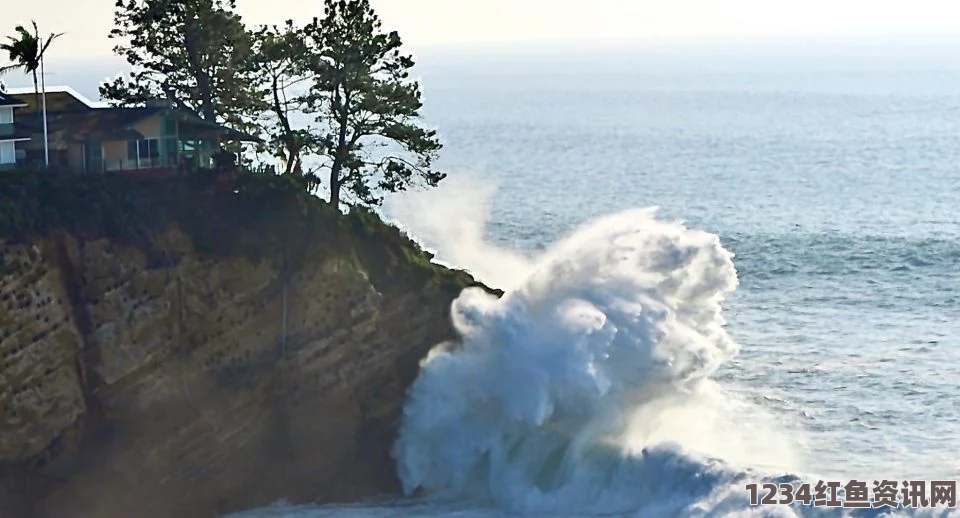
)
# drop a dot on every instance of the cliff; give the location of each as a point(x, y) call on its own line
point(170, 348)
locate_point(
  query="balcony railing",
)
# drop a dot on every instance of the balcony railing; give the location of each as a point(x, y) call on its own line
point(141, 163)
point(171, 163)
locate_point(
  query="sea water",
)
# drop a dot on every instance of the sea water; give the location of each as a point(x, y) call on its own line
point(791, 312)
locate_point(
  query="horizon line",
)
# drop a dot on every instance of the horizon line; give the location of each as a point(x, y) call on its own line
point(707, 43)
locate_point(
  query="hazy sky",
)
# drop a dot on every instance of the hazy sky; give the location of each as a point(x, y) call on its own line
point(431, 23)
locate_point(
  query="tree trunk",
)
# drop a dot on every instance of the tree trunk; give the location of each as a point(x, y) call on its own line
point(287, 132)
point(338, 161)
point(342, 151)
point(194, 43)
point(36, 98)
point(335, 181)
point(207, 109)
point(206, 97)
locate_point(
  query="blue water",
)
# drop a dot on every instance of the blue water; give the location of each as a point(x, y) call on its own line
point(840, 208)
point(837, 193)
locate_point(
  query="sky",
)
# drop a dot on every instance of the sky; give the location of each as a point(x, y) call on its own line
point(517, 25)
point(452, 23)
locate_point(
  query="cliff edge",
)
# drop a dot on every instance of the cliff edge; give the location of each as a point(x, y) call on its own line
point(172, 348)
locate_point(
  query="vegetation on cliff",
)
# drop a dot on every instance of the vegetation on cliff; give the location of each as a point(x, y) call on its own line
point(262, 217)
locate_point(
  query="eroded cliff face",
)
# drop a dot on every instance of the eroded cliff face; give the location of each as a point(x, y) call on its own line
point(167, 383)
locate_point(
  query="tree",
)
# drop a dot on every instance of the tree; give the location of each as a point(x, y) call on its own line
point(281, 58)
point(26, 52)
point(195, 53)
point(363, 95)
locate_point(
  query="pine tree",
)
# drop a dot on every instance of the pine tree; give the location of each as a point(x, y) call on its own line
point(194, 53)
point(368, 105)
point(284, 75)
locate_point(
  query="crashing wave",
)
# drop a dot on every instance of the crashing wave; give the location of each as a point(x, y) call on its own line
point(542, 406)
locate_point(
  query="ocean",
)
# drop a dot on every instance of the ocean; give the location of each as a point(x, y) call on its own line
point(790, 313)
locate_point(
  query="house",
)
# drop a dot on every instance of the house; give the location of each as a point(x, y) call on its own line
point(9, 136)
point(85, 137)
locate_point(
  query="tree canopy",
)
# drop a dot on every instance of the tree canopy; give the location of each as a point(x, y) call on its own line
point(365, 100)
point(334, 98)
point(25, 51)
point(194, 53)
point(279, 53)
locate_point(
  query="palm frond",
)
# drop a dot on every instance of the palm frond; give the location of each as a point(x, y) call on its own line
point(8, 68)
point(26, 49)
point(49, 41)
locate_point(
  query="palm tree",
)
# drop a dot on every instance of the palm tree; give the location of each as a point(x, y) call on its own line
point(26, 52)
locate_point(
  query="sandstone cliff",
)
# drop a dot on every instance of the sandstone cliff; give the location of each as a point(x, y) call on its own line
point(177, 350)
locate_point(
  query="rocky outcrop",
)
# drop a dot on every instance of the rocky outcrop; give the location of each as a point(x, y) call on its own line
point(167, 382)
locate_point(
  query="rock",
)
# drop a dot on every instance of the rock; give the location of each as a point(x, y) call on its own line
point(195, 387)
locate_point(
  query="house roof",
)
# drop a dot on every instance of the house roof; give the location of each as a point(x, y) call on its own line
point(78, 120)
point(64, 94)
point(56, 101)
point(80, 125)
point(8, 100)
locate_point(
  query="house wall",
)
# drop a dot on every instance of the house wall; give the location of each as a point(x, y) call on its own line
point(172, 152)
point(151, 128)
point(75, 157)
point(114, 151)
point(115, 155)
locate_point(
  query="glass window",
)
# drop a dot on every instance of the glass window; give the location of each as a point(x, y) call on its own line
point(150, 148)
point(144, 148)
point(7, 153)
point(94, 154)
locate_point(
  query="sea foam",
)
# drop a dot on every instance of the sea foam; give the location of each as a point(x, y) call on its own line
point(552, 397)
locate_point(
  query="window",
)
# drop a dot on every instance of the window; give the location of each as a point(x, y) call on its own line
point(93, 151)
point(6, 121)
point(144, 148)
point(8, 154)
point(150, 148)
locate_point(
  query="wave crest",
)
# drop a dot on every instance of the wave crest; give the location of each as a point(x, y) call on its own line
point(536, 407)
